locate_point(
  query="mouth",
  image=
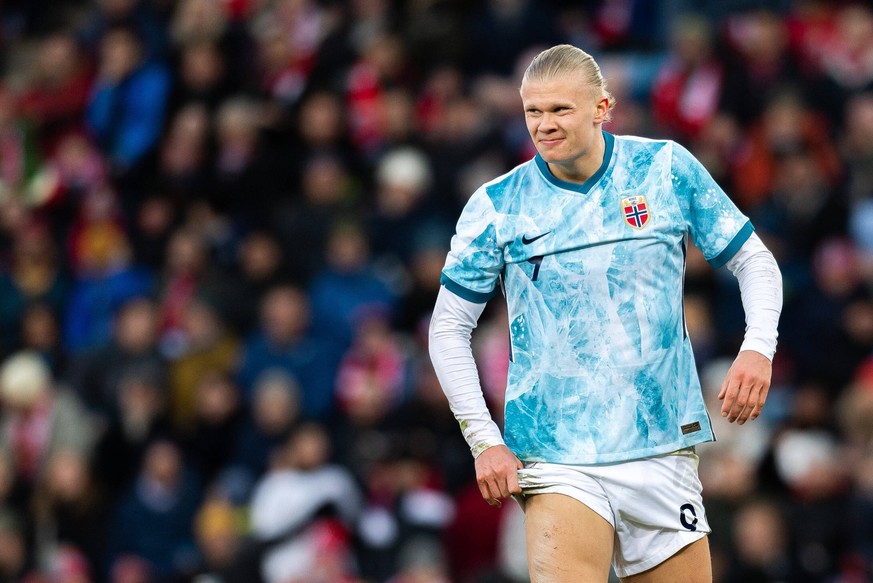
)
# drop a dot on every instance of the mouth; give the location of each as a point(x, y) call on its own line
point(551, 141)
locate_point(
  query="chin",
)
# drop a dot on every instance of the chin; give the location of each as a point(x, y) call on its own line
point(552, 158)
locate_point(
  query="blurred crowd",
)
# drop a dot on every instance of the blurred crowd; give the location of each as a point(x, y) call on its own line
point(222, 224)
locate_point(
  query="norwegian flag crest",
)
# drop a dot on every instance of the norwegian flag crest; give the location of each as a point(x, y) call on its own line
point(636, 211)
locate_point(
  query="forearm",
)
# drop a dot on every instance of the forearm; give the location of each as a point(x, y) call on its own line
point(451, 328)
point(761, 290)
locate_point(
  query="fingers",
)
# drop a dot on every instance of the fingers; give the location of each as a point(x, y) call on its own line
point(759, 404)
point(497, 474)
point(736, 405)
point(745, 387)
point(724, 388)
point(742, 401)
point(493, 491)
point(730, 390)
point(498, 486)
point(745, 404)
point(485, 488)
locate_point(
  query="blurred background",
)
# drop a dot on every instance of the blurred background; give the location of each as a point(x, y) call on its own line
point(222, 224)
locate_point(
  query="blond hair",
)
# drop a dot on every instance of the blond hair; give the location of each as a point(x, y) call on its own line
point(567, 59)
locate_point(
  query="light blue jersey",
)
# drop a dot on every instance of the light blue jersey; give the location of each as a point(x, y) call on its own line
point(601, 366)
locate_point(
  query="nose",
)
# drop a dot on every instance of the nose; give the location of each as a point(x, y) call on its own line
point(547, 122)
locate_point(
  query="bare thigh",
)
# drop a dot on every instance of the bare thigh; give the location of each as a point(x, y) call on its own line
point(567, 542)
point(692, 564)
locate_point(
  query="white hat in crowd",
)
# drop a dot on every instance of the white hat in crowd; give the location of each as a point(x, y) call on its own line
point(24, 377)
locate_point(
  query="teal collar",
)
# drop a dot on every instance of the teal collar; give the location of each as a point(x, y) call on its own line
point(575, 186)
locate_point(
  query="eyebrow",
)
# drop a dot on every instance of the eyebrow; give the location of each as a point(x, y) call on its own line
point(552, 105)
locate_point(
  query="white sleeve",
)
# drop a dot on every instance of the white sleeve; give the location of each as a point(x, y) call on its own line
point(761, 290)
point(451, 328)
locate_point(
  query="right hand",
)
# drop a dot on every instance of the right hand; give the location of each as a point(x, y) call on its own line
point(497, 474)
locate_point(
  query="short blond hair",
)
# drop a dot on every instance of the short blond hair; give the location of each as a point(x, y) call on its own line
point(567, 59)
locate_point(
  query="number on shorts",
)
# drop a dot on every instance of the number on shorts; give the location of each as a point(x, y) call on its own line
point(688, 517)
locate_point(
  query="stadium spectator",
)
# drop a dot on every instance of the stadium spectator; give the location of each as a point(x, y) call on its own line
point(202, 77)
point(139, 416)
point(140, 17)
point(15, 560)
point(259, 265)
point(58, 90)
point(786, 126)
point(302, 223)
point(128, 103)
point(306, 507)
point(499, 31)
point(759, 64)
point(348, 287)
point(104, 275)
point(34, 276)
point(207, 348)
point(844, 55)
point(71, 512)
point(285, 341)
point(41, 333)
point(404, 210)
point(133, 347)
point(215, 423)
point(273, 412)
point(761, 544)
point(219, 536)
point(181, 169)
point(154, 519)
point(689, 85)
point(187, 274)
point(856, 146)
point(322, 125)
point(19, 148)
point(40, 420)
point(249, 176)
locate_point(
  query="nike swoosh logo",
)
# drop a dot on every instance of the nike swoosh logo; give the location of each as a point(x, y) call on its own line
point(527, 241)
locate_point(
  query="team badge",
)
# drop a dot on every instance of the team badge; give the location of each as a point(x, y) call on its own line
point(636, 211)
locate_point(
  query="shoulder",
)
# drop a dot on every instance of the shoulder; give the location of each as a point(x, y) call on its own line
point(67, 402)
point(633, 145)
point(501, 192)
point(666, 151)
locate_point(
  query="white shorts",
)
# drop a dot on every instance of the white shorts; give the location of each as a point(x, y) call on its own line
point(654, 504)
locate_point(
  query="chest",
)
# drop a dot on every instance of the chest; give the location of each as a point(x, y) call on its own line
point(635, 217)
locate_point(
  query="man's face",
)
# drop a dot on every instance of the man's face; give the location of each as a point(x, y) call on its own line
point(563, 117)
point(120, 54)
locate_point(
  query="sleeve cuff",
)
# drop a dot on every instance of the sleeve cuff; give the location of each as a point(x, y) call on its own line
point(465, 293)
point(741, 237)
point(760, 347)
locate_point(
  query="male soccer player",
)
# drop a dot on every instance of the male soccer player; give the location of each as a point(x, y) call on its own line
point(603, 408)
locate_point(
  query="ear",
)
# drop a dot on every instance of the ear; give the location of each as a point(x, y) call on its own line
point(601, 110)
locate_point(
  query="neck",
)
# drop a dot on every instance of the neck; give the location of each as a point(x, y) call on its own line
point(584, 166)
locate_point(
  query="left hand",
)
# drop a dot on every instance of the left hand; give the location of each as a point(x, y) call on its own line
point(745, 387)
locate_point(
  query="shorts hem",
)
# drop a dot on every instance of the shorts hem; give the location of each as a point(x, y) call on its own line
point(660, 557)
point(572, 493)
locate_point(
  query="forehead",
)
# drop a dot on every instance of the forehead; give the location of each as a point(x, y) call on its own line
point(562, 89)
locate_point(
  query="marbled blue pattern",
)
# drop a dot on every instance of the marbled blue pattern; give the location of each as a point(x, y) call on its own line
point(602, 369)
